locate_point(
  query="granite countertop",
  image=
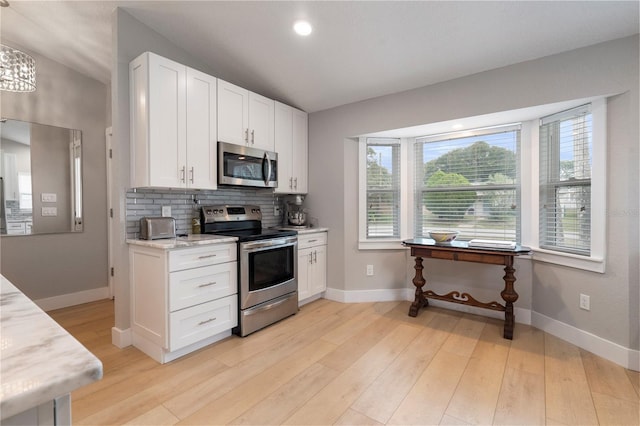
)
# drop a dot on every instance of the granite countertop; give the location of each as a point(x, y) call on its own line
point(188, 241)
point(40, 361)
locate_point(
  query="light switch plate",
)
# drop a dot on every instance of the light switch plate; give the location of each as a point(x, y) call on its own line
point(49, 211)
point(166, 211)
point(48, 197)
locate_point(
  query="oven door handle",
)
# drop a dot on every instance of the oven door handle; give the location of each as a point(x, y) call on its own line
point(263, 244)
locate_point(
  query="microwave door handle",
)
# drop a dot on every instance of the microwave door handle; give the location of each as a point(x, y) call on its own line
point(266, 175)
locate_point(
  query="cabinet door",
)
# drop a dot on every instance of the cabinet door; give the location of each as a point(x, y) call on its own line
point(233, 113)
point(166, 100)
point(300, 152)
point(283, 143)
point(304, 264)
point(318, 274)
point(261, 118)
point(201, 130)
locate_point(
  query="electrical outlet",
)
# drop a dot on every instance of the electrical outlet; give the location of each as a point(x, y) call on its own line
point(166, 211)
point(585, 302)
point(276, 210)
point(369, 270)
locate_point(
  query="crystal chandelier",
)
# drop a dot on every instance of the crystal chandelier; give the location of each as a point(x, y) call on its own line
point(17, 70)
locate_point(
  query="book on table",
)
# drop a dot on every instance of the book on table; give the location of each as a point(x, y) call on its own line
point(499, 244)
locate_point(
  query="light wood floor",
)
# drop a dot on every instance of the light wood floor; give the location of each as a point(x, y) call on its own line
point(367, 363)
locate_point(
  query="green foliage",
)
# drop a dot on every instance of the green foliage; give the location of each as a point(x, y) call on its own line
point(448, 205)
point(476, 162)
point(377, 175)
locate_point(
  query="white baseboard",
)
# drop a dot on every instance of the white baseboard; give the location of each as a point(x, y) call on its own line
point(361, 296)
point(121, 338)
point(72, 299)
point(523, 316)
point(628, 358)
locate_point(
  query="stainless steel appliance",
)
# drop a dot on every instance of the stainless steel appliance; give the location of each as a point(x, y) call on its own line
point(153, 228)
point(267, 264)
point(244, 166)
point(295, 213)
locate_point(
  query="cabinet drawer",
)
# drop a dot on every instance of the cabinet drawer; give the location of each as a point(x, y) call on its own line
point(199, 322)
point(312, 240)
point(198, 285)
point(196, 257)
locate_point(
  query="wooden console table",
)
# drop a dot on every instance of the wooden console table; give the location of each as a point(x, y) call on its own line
point(460, 251)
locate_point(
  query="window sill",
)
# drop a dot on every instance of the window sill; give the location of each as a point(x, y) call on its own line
point(592, 264)
point(381, 245)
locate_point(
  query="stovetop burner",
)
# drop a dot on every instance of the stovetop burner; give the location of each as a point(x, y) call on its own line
point(243, 222)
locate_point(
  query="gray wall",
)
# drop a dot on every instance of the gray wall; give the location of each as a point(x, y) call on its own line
point(51, 265)
point(604, 69)
point(50, 173)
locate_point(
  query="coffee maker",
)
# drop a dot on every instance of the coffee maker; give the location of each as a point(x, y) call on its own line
point(295, 214)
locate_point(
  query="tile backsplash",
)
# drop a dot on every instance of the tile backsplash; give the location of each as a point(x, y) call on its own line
point(185, 205)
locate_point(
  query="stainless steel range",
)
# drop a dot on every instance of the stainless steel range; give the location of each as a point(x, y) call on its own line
point(267, 265)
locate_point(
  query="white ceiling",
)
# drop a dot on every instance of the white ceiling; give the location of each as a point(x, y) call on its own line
point(358, 49)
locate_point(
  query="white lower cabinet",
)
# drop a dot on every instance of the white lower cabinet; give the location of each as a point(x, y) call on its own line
point(312, 266)
point(182, 299)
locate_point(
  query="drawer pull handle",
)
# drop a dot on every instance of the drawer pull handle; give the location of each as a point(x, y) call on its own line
point(312, 241)
point(207, 321)
point(207, 256)
point(207, 284)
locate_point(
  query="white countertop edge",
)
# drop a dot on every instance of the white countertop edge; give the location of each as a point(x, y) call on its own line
point(189, 241)
point(40, 360)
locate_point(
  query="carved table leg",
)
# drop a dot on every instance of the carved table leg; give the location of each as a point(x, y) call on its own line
point(510, 296)
point(418, 281)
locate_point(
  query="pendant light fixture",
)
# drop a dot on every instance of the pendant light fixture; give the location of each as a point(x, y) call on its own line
point(17, 70)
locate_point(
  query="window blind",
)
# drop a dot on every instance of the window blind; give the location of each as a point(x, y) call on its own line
point(469, 182)
point(383, 188)
point(565, 181)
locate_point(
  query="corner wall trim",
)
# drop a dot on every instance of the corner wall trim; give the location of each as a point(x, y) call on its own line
point(626, 357)
point(72, 299)
point(121, 338)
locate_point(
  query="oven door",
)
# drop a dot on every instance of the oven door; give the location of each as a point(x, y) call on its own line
point(244, 166)
point(268, 269)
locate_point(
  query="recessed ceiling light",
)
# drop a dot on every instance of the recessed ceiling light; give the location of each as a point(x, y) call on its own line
point(302, 28)
point(457, 126)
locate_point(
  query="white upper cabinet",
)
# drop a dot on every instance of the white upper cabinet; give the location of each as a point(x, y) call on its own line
point(244, 117)
point(201, 130)
point(173, 125)
point(291, 139)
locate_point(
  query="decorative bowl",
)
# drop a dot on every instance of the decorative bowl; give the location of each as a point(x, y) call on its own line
point(443, 237)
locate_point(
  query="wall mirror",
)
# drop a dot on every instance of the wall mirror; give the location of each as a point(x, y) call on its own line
point(40, 179)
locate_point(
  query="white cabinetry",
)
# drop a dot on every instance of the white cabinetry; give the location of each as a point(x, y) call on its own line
point(291, 140)
point(244, 117)
point(312, 265)
point(182, 299)
point(173, 125)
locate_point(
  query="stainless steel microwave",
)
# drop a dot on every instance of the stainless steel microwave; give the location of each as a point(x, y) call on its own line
point(245, 166)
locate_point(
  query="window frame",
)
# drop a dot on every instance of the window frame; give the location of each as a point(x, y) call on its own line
point(529, 178)
point(596, 260)
point(420, 190)
point(406, 197)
